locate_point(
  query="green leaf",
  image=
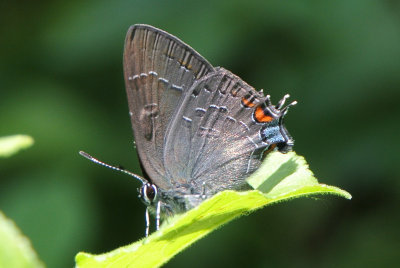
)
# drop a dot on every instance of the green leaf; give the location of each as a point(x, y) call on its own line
point(15, 249)
point(280, 177)
point(12, 144)
point(280, 174)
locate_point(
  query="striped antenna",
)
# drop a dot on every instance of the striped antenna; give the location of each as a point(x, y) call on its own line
point(91, 158)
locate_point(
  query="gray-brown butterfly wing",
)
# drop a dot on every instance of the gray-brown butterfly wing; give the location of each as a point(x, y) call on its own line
point(158, 69)
point(214, 138)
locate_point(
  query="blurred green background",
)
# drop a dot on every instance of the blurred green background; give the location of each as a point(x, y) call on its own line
point(61, 82)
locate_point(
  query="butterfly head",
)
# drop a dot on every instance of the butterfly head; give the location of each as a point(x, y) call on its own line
point(148, 193)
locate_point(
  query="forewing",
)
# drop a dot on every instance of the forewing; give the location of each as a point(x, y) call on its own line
point(158, 69)
point(213, 138)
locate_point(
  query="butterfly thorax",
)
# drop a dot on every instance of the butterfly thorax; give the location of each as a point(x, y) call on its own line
point(171, 202)
point(180, 198)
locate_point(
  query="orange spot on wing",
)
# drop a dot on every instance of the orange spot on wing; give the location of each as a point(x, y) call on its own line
point(261, 116)
point(248, 103)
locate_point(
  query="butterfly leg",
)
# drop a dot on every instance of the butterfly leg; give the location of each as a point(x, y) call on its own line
point(203, 191)
point(147, 218)
point(158, 212)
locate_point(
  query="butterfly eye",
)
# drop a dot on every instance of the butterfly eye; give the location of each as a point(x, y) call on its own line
point(148, 192)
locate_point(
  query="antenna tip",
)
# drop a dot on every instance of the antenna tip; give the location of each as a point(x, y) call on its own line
point(86, 155)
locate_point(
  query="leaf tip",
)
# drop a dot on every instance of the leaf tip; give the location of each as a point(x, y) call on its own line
point(337, 191)
point(82, 258)
point(10, 145)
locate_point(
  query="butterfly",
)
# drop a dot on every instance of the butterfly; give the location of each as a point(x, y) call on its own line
point(199, 129)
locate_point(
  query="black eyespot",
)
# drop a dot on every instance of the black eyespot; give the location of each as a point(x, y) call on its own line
point(284, 147)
